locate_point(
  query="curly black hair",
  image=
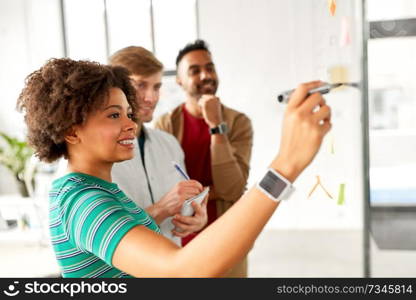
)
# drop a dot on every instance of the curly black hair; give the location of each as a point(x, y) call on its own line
point(62, 93)
point(197, 45)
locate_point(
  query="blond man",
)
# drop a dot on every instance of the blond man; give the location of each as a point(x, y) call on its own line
point(149, 178)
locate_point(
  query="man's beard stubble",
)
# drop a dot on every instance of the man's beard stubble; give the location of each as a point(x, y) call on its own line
point(211, 89)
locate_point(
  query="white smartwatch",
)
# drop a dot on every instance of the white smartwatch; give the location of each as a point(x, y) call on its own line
point(275, 186)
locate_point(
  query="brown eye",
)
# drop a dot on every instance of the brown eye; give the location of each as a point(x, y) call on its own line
point(194, 71)
point(114, 116)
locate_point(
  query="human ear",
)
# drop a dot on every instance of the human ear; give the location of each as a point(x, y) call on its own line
point(71, 136)
point(178, 80)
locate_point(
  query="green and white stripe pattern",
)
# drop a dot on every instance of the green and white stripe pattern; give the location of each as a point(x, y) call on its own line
point(88, 218)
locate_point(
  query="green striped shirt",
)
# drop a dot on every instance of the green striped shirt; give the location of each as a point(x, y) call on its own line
point(88, 218)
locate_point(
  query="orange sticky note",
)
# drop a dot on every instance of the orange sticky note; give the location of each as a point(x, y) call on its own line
point(332, 5)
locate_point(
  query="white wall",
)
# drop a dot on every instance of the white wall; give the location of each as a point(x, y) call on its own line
point(390, 10)
point(262, 47)
point(29, 34)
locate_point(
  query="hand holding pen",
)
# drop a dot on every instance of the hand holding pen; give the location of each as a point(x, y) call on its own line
point(171, 203)
point(196, 216)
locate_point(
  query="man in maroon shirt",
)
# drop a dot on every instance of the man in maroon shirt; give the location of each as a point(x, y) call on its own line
point(216, 140)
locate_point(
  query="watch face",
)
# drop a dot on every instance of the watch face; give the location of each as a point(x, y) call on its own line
point(223, 128)
point(272, 184)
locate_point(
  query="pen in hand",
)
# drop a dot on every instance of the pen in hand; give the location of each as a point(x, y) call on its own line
point(181, 171)
point(324, 89)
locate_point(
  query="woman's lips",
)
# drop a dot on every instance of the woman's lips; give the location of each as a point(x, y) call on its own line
point(128, 143)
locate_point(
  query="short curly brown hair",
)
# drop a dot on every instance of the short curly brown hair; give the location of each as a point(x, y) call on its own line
point(63, 93)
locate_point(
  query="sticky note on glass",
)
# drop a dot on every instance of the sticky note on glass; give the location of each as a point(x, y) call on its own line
point(338, 73)
point(332, 5)
point(341, 194)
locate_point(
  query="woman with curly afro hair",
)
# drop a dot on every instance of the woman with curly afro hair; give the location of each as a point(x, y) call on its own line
point(85, 112)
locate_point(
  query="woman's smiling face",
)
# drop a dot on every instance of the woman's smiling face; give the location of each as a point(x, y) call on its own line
point(109, 134)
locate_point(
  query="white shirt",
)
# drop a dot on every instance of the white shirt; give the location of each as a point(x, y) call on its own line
point(160, 149)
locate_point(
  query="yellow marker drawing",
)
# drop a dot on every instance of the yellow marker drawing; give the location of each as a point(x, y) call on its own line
point(341, 194)
point(319, 183)
point(313, 189)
